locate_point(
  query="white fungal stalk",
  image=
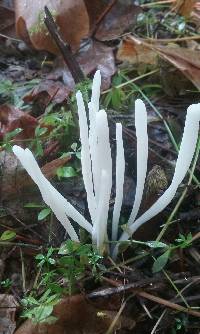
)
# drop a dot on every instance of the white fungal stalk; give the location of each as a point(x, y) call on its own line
point(186, 153)
point(59, 205)
point(142, 156)
point(120, 171)
point(97, 171)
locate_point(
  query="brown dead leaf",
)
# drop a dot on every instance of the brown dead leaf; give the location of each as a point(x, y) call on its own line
point(8, 307)
point(71, 17)
point(94, 55)
point(119, 19)
point(76, 315)
point(186, 60)
point(12, 118)
point(184, 7)
point(48, 91)
point(95, 8)
point(136, 52)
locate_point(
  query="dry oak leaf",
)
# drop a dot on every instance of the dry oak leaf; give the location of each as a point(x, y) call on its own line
point(139, 51)
point(71, 17)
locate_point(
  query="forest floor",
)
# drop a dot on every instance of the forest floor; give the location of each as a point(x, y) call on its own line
point(48, 283)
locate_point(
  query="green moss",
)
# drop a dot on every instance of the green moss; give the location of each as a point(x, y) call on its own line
point(39, 26)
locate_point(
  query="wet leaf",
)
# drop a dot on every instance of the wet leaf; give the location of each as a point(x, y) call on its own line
point(8, 235)
point(160, 262)
point(120, 18)
point(66, 172)
point(94, 56)
point(44, 213)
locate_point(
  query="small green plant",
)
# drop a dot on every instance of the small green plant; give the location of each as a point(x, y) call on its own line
point(45, 259)
point(180, 324)
point(7, 139)
point(37, 142)
point(12, 93)
point(40, 310)
point(43, 213)
point(6, 284)
point(181, 242)
point(68, 264)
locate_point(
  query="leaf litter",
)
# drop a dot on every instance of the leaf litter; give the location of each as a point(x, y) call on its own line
point(137, 53)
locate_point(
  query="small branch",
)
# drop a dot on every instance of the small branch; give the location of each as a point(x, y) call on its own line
point(64, 48)
point(168, 304)
point(134, 288)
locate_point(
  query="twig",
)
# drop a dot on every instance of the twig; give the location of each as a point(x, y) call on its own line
point(158, 300)
point(64, 48)
point(168, 304)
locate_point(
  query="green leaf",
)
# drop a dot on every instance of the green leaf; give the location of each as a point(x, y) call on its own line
point(50, 251)
point(40, 257)
point(12, 134)
point(160, 262)
point(40, 131)
point(44, 213)
point(7, 235)
point(43, 312)
point(66, 172)
point(38, 148)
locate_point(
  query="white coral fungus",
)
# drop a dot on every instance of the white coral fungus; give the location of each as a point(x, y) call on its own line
point(97, 171)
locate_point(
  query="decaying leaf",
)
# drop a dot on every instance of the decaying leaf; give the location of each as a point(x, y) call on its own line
point(94, 55)
point(77, 315)
point(95, 8)
point(185, 60)
point(12, 118)
point(47, 91)
point(119, 19)
point(136, 52)
point(71, 16)
point(7, 314)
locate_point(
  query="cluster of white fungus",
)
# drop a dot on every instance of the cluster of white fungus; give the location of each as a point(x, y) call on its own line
point(97, 171)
